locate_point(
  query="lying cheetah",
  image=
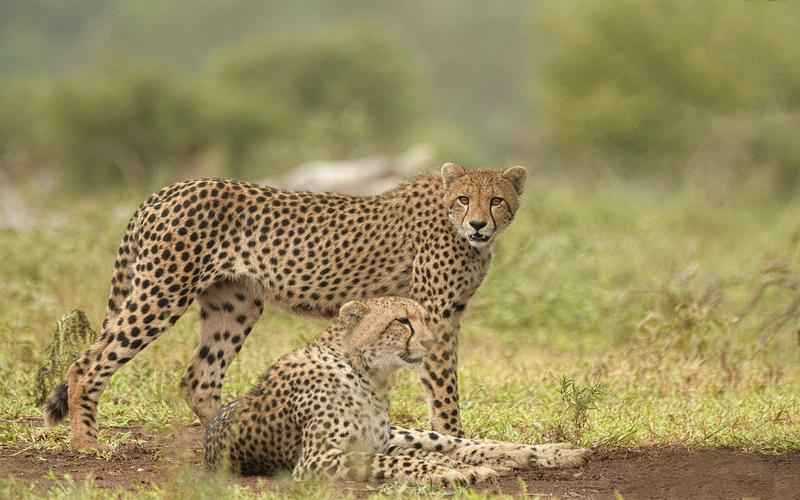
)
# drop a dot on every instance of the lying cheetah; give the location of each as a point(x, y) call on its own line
point(323, 410)
point(233, 246)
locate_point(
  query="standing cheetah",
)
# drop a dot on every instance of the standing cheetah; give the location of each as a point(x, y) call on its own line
point(323, 410)
point(234, 246)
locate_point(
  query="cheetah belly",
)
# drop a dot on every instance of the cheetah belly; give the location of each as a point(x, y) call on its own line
point(322, 291)
point(319, 299)
point(317, 258)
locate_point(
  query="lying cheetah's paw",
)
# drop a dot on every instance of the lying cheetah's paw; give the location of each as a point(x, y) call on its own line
point(481, 474)
point(553, 455)
point(447, 477)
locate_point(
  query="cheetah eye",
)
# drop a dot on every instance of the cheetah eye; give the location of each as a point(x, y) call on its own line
point(463, 200)
point(496, 201)
point(406, 322)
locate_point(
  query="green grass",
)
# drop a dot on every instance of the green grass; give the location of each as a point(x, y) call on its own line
point(643, 292)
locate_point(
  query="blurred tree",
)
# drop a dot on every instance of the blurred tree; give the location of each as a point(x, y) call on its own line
point(36, 34)
point(266, 105)
point(123, 125)
point(475, 52)
point(19, 102)
point(648, 84)
point(342, 93)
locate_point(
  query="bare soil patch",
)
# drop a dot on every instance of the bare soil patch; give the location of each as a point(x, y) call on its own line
point(669, 473)
point(646, 473)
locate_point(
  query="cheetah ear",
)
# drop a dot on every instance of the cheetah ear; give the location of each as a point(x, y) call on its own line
point(353, 311)
point(517, 176)
point(450, 173)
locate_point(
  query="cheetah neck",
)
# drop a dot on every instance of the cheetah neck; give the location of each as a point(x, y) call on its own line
point(334, 337)
point(380, 379)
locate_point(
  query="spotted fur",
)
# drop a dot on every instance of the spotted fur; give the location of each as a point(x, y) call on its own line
point(234, 246)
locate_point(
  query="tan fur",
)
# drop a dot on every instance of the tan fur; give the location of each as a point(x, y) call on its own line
point(234, 247)
point(322, 410)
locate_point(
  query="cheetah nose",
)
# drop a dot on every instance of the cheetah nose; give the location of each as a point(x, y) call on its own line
point(477, 224)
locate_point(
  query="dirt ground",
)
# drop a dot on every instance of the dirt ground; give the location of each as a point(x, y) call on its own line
point(647, 473)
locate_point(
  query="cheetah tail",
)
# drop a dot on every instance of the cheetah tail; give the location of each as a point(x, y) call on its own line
point(56, 408)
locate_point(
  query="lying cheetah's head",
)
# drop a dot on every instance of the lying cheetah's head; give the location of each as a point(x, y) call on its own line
point(388, 332)
point(482, 202)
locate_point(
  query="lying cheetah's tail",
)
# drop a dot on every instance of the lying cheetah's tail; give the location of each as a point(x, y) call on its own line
point(219, 436)
point(56, 408)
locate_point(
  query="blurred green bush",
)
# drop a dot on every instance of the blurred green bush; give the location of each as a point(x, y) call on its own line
point(20, 103)
point(649, 85)
point(338, 94)
point(261, 107)
point(124, 126)
point(667, 89)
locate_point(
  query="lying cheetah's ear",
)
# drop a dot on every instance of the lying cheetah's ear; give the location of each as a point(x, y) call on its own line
point(353, 311)
point(451, 172)
point(517, 176)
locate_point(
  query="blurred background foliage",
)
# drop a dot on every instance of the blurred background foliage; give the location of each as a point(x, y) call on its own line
point(658, 86)
point(112, 92)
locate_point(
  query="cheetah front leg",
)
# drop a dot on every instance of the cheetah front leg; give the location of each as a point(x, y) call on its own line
point(433, 286)
point(439, 377)
point(323, 454)
point(435, 457)
point(522, 456)
point(489, 453)
point(402, 467)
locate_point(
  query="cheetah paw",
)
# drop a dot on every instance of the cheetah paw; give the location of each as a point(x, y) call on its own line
point(450, 477)
point(86, 443)
point(482, 474)
point(553, 455)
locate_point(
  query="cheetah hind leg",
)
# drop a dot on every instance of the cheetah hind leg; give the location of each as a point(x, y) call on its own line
point(122, 338)
point(228, 311)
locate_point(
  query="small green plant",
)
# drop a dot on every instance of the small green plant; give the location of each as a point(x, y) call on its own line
point(580, 399)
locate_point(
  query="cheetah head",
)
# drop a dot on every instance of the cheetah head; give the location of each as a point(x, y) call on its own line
point(482, 203)
point(389, 333)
